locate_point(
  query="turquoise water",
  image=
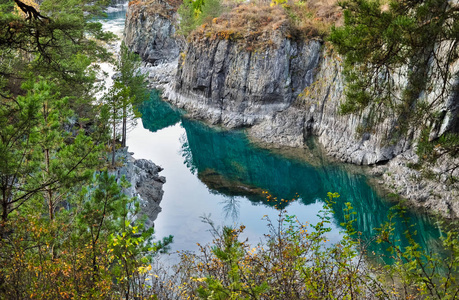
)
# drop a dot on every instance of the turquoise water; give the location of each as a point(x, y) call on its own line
point(214, 171)
point(219, 173)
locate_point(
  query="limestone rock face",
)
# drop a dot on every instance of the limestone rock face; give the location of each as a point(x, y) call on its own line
point(150, 30)
point(316, 113)
point(220, 81)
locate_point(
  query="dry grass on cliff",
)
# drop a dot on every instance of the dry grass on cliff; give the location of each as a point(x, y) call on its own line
point(164, 8)
point(257, 23)
point(320, 14)
point(326, 11)
point(251, 23)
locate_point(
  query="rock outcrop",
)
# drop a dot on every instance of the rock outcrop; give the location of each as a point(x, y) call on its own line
point(219, 81)
point(150, 30)
point(146, 184)
point(316, 113)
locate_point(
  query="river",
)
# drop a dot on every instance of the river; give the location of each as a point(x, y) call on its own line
point(219, 173)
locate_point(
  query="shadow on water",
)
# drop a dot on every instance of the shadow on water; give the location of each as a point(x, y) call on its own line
point(157, 114)
point(228, 164)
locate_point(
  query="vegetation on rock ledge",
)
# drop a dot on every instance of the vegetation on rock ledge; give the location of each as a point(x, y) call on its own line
point(399, 60)
point(255, 23)
point(166, 9)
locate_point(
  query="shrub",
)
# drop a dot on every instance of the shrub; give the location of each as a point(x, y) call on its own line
point(256, 24)
point(296, 261)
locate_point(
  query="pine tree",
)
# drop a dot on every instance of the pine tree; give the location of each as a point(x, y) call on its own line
point(130, 76)
point(117, 103)
point(416, 40)
point(188, 20)
point(210, 9)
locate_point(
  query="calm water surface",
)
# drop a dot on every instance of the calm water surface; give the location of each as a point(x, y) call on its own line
point(211, 171)
point(219, 173)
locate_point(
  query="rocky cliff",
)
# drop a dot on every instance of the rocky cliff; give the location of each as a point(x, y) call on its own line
point(286, 89)
point(217, 80)
point(150, 30)
point(316, 113)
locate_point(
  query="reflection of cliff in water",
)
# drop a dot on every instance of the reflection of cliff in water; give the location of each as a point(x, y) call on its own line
point(228, 164)
point(157, 114)
point(229, 156)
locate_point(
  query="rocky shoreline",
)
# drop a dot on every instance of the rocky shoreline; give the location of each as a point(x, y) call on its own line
point(146, 184)
point(143, 175)
point(287, 92)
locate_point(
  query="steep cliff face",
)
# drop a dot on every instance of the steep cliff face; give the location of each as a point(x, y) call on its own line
point(220, 81)
point(288, 93)
point(150, 30)
point(316, 113)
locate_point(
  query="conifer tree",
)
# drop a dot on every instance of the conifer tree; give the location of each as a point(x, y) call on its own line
point(382, 44)
point(129, 75)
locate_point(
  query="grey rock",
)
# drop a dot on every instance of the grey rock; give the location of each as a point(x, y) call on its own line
point(150, 31)
point(290, 91)
point(146, 184)
point(159, 76)
point(219, 81)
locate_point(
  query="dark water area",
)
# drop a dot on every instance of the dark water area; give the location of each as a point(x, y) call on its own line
point(157, 114)
point(229, 164)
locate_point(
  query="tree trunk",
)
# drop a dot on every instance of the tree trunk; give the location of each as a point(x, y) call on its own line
point(114, 137)
point(48, 192)
point(124, 129)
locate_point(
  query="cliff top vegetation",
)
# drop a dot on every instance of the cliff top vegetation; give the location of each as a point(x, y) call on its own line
point(165, 9)
point(258, 22)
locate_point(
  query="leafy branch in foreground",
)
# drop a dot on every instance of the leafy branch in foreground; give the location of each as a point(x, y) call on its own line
point(296, 261)
point(95, 247)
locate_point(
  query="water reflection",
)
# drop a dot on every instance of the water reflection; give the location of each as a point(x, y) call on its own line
point(231, 207)
point(234, 170)
point(229, 164)
point(239, 172)
point(157, 114)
